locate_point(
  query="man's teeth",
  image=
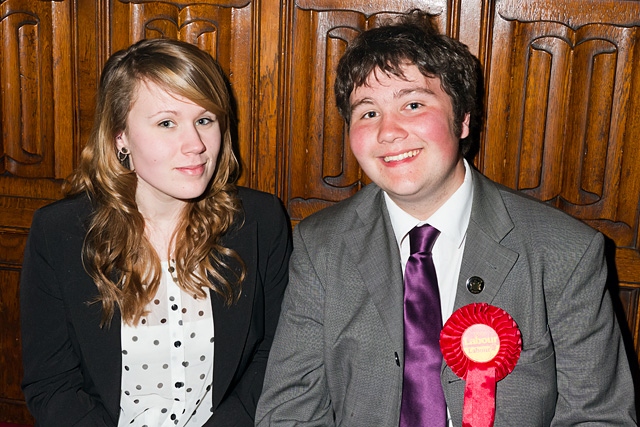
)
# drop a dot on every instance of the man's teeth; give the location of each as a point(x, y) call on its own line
point(401, 156)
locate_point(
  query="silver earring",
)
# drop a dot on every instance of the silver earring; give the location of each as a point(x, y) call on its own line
point(122, 154)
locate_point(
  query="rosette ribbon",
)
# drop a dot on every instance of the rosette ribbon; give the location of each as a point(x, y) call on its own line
point(481, 344)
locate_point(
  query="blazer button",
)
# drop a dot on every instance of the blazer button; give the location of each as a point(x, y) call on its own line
point(475, 284)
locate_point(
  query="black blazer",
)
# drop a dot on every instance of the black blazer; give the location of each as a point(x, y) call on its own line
point(72, 367)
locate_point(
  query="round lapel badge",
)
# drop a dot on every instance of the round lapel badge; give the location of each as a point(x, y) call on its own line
point(475, 284)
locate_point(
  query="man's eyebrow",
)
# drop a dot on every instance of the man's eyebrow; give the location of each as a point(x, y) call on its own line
point(361, 102)
point(397, 94)
point(409, 91)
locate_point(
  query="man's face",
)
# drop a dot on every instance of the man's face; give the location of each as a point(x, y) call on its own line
point(402, 135)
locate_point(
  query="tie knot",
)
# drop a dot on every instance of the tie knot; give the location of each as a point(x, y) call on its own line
point(422, 238)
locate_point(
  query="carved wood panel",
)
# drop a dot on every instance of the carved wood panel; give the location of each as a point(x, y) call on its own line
point(37, 110)
point(36, 152)
point(225, 29)
point(320, 167)
point(563, 117)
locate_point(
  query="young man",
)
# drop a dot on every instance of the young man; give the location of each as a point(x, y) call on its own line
point(409, 97)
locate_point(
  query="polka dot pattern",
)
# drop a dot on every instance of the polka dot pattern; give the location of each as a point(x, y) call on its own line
point(167, 361)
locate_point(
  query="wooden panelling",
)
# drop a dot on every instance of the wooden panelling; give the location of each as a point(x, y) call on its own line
point(37, 122)
point(319, 166)
point(562, 122)
point(562, 109)
point(630, 296)
point(12, 405)
point(226, 30)
point(563, 118)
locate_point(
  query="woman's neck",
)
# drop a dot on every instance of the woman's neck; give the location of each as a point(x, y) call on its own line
point(161, 221)
point(161, 237)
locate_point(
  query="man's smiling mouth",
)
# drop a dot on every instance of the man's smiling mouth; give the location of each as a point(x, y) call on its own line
point(402, 156)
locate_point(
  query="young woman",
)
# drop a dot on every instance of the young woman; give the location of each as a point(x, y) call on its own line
point(150, 294)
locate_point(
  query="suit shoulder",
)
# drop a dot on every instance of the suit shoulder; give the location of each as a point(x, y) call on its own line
point(246, 193)
point(343, 215)
point(533, 217)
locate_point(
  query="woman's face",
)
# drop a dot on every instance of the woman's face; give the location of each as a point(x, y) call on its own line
point(173, 143)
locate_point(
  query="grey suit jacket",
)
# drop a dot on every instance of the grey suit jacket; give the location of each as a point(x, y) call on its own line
point(338, 351)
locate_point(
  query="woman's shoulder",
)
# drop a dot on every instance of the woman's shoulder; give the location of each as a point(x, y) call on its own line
point(65, 210)
point(62, 221)
point(256, 203)
point(247, 194)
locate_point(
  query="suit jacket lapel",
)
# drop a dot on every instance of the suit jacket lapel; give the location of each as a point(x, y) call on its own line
point(483, 257)
point(100, 347)
point(374, 250)
point(232, 322)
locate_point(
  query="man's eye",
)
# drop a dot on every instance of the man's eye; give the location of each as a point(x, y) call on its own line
point(414, 105)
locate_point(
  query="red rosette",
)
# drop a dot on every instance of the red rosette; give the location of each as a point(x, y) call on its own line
point(481, 313)
point(494, 356)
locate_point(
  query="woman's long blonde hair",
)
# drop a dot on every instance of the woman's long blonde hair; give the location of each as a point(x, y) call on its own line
point(116, 252)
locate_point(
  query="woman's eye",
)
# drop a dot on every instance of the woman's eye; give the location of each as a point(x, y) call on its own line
point(414, 105)
point(204, 121)
point(166, 124)
point(369, 115)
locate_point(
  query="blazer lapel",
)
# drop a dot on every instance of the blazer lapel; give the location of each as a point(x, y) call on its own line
point(100, 347)
point(483, 257)
point(232, 322)
point(374, 250)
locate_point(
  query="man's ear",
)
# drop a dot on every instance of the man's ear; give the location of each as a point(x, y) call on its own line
point(464, 130)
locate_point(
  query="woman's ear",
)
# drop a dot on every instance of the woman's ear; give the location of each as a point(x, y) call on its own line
point(122, 151)
point(120, 141)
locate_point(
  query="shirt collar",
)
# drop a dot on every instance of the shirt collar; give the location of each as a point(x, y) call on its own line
point(452, 218)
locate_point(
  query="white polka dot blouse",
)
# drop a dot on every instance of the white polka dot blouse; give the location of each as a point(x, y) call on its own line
point(167, 360)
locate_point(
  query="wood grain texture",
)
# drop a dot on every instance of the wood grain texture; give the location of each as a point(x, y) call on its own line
point(562, 96)
point(320, 168)
point(563, 118)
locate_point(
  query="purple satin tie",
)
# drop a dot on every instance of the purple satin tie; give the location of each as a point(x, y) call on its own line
point(423, 401)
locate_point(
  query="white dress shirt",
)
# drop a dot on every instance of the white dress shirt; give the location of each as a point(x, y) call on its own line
point(452, 220)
